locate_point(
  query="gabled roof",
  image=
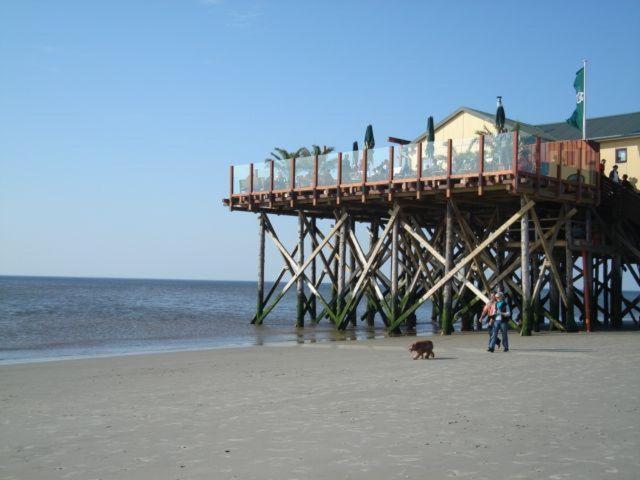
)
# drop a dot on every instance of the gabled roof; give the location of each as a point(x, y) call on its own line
point(489, 117)
point(600, 128)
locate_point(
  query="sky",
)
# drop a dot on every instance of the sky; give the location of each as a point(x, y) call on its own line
point(119, 119)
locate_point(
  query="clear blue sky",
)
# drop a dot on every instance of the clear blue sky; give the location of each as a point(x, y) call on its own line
point(118, 119)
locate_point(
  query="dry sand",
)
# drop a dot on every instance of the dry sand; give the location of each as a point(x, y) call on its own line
point(556, 406)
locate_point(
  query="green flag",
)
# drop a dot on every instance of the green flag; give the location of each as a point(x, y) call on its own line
point(578, 84)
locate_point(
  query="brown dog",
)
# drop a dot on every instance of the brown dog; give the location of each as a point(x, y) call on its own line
point(422, 348)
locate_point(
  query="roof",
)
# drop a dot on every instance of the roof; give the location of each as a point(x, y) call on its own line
point(600, 128)
point(490, 117)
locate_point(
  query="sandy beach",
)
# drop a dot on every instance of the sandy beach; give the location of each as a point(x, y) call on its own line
point(555, 406)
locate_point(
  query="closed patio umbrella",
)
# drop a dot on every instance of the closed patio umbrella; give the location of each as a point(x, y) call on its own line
point(500, 118)
point(369, 141)
point(431, 132)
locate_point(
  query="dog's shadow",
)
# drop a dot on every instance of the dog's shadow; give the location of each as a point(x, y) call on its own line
point(443, 358)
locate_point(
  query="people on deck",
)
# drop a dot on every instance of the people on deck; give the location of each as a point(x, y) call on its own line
point(603, 162)
point(613, 174)
point(500, 323)
point(626, 183)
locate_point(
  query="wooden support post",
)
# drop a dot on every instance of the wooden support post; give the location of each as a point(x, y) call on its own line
point(525, 273)
point(538, 315)
point(352, 274)
point(605, 291)
point(590, 299)
point(314, 311)
point(300, 284)
point(616, 290)
point(394, 271)
point(260, 306)
point(569, 320)
point(446, 318)
point(554, 301)
point(371, 305)
point(342, 241)
point(586, 290)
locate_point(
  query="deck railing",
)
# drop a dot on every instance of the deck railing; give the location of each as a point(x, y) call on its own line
point(568, 164)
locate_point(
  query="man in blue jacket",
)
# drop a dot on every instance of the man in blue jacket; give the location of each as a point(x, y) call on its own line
point(500, 323)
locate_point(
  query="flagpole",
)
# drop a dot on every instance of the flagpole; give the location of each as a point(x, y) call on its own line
point(584, 99)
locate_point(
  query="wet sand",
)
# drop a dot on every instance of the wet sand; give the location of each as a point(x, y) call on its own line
point(556, 406)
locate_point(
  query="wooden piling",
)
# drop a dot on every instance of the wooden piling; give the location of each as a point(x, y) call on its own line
point(300, 281)
point(446, 318)
point(569, 321)
point(313, 304)
point(525, 274)
point(260, 305)
point(394, 271)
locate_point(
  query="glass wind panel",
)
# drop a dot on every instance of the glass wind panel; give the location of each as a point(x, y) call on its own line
point(549, 158)
point(434, 158)
point(591, 166)
point(378, 164)
point(498, 152)
point(304, 172)
point(570, 160)
point(328, 169)
point(241, 177)
point(351, 167)
point(281, 174)
point(464, 157)
point(405, 165)
point(526, 153)
point(261, 173)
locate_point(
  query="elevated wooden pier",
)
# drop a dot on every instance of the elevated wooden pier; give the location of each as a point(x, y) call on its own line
point(450, 222)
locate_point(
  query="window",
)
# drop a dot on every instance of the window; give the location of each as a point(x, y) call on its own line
point(621, 155)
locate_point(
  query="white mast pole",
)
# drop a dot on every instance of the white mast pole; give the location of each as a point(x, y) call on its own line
point(584, 100)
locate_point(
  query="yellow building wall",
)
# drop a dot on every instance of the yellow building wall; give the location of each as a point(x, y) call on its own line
point(632, 166)
point(463, 125)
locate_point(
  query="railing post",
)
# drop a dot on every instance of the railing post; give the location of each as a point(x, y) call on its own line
point(419, 172)
point(538, 164)
point(315, 179)
point(391, 168)
point(559, 171)
point(480, 164)
point(516, 179)
point(250, 184)
point(231, 187)
point(339, 179)
point(271, 178)
point(292, 173)
point(449, 166)
point(364, 173)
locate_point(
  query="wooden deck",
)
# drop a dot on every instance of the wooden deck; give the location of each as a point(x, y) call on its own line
point(544, 175)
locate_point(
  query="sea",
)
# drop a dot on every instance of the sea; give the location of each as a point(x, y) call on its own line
point(46, 318)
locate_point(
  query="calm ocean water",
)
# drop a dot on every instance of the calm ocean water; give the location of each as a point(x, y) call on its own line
point(46, 317)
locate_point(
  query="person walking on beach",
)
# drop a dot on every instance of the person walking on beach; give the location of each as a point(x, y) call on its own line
point(489, 312)
point(500, 323)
